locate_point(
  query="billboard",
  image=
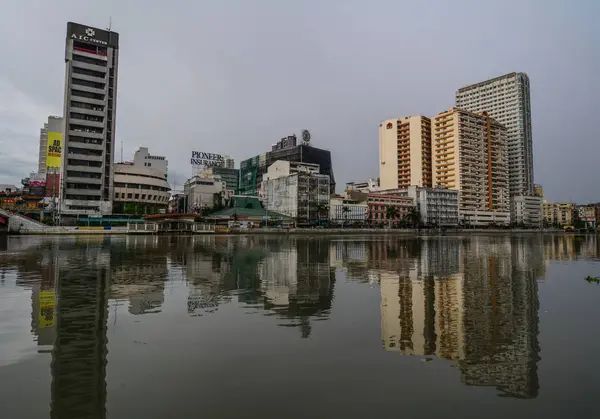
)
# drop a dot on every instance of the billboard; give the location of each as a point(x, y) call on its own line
point(37, 179)
point(201, 158)
point(54, 150)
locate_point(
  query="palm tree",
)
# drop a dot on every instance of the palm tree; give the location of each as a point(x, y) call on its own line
point(321, 208)
point(413, 217)
point(391, 213)
point(345, 211)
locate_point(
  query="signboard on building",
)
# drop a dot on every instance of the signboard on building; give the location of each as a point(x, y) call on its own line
point(37, 180)
point(54, 150)
point(91, 35)
point(203, 159)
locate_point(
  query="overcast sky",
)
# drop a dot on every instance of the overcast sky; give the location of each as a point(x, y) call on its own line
point(234, 76)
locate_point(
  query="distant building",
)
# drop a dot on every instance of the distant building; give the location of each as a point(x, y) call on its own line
point(366, 186)
point(343, 210)
point(379, 202)
point(141, 186)
point(253, 169)
point(297, 190)
point(526, 210)
point(538, 190)
point(54, 124)
point(405, 152)
point(437, 206)
point(507, 100)
point(286, 142)
point(228, 175)
point(470, 155)
point(205, 192)
point(558, 213)
point(587, 214)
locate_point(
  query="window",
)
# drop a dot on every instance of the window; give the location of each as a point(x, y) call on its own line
point(128, 196)
point(143, 196)
point(137, 196)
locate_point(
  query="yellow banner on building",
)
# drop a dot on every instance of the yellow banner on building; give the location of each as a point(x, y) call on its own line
point(47, 314)
point(54, 150)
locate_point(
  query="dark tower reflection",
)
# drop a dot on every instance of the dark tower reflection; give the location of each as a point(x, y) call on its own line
point(80, 349)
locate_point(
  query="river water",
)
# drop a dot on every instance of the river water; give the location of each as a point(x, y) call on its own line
point(296, 327)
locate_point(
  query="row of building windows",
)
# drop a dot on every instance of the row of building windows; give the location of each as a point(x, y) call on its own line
point(143, 197)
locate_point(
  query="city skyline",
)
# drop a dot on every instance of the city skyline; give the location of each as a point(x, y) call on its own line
point(225, 90)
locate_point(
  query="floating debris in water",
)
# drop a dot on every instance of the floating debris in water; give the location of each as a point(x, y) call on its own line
point(590, 278)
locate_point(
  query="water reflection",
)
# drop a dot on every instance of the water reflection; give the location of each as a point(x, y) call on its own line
point(473, 301)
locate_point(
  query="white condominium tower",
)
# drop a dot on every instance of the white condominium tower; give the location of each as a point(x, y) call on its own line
point(507, 100)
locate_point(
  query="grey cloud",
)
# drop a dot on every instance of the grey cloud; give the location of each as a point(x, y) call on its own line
point(234, 76)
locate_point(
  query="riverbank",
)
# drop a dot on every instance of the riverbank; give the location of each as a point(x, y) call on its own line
point(76, 231)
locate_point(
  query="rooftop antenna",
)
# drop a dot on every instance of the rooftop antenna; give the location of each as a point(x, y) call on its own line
point(109, 23)
point(121, 150)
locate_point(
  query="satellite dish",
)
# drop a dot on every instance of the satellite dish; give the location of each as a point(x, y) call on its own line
point(305, 136)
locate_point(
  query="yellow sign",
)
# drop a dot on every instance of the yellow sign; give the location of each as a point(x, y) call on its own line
point(54, 150)
point(47, 301)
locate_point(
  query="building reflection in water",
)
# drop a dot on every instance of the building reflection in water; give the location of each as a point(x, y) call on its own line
point(473, 302)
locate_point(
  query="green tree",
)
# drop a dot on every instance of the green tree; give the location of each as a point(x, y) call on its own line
point(391, 213)
point(345, 211)
point(413, 217)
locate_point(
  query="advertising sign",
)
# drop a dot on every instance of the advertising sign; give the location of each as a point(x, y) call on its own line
point(37, 180)
point(200, 158)
point(54, 150)
point(91, 35)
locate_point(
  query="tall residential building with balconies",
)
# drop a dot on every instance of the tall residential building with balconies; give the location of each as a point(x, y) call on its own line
point(405, 152)
point(507, 100)
point(470, 155)
point(91, 57)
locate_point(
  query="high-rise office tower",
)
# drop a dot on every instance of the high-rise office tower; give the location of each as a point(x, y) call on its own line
point(54, 125)
point(470, 156)
point(92, 57)
point(507, 100)
point(405, 152)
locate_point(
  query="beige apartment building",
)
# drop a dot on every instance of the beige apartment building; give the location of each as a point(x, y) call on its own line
point(560, 213)
point(470, 155)
point(405, 152)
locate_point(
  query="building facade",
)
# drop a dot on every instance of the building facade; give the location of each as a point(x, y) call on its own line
point(54, 124)
point(538, 190)
point(92, 62)
point(558, 213)
point(507, 100)
point(347, 211)
point(526, 210)
point(437, 206)
point(228, 175)
point(470, 155)
point(379, 202)
point(253, 169)
point(204, 192)
point(366, 186)
point(297, 190)
point(141, 186)
point(405, 152)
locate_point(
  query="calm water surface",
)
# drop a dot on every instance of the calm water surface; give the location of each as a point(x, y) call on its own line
point(261, 327)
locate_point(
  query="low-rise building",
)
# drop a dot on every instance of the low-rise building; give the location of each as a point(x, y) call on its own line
point(437, 206)
point(558, 213)
point(347, 211)
point(378, 204)
point(587, 214)
point(526, 210)
point(202, 193)
point(229, 175)
point(140, 186)
point(297, 190)
point(366, 186)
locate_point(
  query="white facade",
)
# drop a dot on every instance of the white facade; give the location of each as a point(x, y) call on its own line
point(438, 206)
point(354, 212)
point(484, 218)
point(142, 185)
point(369, 185)
point(142, 158)
point(203, 192)
point(297, 190)
point(507, 100)
point(526, 210)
